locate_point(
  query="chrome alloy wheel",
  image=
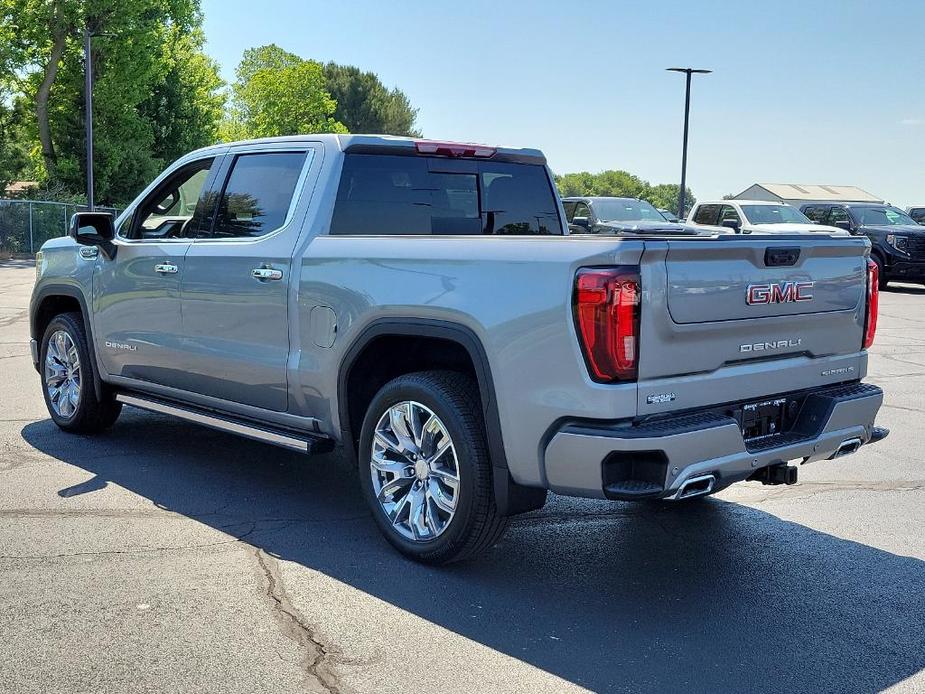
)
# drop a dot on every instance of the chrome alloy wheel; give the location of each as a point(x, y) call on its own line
point(62, 374)
point(414, 470)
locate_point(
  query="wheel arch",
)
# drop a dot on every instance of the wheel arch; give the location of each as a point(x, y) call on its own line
point(509, 497)
point(52, 300)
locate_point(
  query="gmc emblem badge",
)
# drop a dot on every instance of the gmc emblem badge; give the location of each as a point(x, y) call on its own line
point(779, 293)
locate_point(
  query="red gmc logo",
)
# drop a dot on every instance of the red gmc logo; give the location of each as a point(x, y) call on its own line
point(779, 293)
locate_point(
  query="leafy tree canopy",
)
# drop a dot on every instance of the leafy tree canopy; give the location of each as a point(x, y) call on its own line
point(279, 93)
point(621, 184)
point(365, 105)
point(156, 94)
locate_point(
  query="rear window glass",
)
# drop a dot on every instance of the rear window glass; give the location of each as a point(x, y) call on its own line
point(391, 195)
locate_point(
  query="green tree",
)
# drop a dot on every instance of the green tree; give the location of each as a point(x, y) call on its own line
point(365, 105)
point(279, 93)
point(665, 196)
point(621, 184)
point(156, 94)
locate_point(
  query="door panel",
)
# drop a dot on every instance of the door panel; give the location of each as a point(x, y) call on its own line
point(236, 324)
point(137, 311)
point(137, 292)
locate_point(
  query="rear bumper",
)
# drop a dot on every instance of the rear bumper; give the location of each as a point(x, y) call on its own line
point(584, 460)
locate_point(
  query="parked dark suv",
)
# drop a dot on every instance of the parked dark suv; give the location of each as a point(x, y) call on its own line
point(606, 215)
point(898, 243)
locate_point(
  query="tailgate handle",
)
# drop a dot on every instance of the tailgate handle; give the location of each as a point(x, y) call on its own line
point(781, 257)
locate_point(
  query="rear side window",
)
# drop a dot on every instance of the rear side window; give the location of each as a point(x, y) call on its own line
point(400, 195)
point(816, 214)
point(257, 194)
point(706, 214)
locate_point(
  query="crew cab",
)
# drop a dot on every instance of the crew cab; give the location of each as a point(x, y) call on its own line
point(897, 242)
point(755, 216)
point(421, 305)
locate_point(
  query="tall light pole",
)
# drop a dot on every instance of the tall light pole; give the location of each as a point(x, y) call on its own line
point(688, 71)
point(88, 101)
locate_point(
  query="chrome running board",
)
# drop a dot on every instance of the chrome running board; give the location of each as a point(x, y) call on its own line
point(303, 443)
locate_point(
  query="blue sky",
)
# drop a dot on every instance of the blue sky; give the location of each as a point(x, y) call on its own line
point(803, 92)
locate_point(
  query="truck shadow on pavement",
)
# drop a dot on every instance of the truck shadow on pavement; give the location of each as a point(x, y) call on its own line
point(609, 596)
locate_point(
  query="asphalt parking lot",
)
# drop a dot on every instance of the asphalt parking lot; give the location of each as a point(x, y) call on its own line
point(166, 557)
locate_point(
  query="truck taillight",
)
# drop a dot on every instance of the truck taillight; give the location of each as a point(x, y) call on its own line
point(873, 302)
point(606, 306)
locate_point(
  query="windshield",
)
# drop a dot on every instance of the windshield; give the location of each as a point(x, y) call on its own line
point(882, 216)
point(774, 214)
point(626, 211)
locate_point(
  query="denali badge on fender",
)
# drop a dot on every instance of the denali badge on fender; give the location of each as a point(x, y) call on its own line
point(779, 293)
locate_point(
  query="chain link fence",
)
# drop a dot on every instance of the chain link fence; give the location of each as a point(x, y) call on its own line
point(26, 224)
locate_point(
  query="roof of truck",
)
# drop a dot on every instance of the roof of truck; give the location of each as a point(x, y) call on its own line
point(592, 198)
point(400, 145)
point(732, 201)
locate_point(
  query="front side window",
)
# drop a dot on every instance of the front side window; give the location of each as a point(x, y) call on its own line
point(918, 215)
point(582, 210)
point(410, 195)
point(774, 214)
point(837, 214)
point(730, 215)
point(257, 194)
point(706, 214)
point(171, 210)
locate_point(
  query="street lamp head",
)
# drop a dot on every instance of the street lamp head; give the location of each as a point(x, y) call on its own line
point(696, 71)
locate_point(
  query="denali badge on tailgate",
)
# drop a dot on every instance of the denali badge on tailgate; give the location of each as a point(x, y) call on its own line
point(779, 293)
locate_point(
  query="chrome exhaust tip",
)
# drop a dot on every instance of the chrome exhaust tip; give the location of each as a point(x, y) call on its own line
point(847, 447)
point(696, 486)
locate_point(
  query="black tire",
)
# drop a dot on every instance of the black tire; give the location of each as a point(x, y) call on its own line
point(476, 524)
point(91, 414)
point(881, 272)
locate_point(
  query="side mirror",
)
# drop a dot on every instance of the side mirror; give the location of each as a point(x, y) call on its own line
point(843, 224)
point(94, 229)
point(583, 222)
point(731, 224)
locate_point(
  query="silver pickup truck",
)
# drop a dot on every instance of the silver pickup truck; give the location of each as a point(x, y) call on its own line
point(422, 305)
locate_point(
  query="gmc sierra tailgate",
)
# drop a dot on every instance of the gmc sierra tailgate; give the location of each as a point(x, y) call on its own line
point(730, 318)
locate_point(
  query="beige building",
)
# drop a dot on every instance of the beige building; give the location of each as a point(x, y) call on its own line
point(801, 194)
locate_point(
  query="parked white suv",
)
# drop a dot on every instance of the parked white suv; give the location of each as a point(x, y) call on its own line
point(755, 216)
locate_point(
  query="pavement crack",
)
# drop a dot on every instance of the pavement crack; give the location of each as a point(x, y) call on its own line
point(319, 657)
point(134, 551)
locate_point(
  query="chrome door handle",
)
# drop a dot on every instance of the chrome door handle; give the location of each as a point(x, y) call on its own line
point(165, 268)
point(266, 273)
